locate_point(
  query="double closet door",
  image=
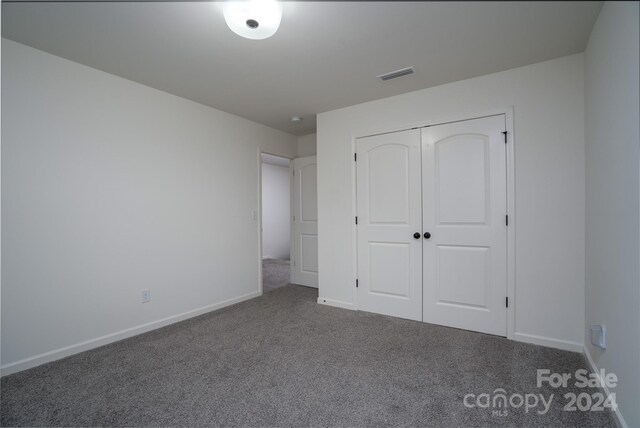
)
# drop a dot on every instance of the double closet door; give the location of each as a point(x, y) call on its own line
point(432, 232)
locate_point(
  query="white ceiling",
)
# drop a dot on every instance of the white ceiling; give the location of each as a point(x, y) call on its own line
point(326, 55)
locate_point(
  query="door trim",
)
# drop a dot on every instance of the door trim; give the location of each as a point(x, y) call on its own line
point(508, 112)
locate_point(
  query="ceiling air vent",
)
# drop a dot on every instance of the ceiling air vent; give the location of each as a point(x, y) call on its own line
point(396, 74)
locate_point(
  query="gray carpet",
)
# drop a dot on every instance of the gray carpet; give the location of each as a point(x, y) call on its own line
point(283, 360)
point(275, 274)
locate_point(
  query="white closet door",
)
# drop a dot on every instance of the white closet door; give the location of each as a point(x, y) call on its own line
point(304, 263)
point(464, 210)
point(389, 205)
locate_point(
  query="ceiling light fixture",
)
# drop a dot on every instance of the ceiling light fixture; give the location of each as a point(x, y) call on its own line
point(296, 119)
point(253, 19)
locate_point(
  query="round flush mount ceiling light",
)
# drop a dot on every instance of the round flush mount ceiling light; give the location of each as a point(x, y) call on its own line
point(253, 19)
point(295, 120)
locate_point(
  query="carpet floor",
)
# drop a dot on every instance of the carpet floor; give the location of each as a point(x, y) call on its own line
point(283, 360)
point(275, 274)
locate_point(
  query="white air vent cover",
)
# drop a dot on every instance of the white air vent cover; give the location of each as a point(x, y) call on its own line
point(395, 74)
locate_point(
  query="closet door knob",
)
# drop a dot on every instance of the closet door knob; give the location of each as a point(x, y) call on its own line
point(427, 235)
point(416, 235)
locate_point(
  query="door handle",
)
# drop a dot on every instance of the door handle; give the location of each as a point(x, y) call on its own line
point(427, 235)
point(416, 235)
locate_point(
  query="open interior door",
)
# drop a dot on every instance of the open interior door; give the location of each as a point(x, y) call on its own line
point(304, 221)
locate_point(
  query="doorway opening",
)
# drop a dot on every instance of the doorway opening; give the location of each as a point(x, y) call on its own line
point(276, 222)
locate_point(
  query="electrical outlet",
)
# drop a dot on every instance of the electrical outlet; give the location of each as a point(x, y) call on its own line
point(598, 336)
point(146, 296)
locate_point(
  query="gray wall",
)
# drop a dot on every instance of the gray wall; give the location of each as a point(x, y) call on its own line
point(110, 187)
point(548, 103)
point(612, 214)
point(307, 145)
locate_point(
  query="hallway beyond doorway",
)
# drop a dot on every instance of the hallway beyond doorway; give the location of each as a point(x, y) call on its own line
point(275, 274)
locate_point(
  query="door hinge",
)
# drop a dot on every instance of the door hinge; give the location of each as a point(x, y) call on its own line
point(506, 301)
point(355, 157)
point(356, 219)
point(505, 136)
point(506, 219)
point(356, 282)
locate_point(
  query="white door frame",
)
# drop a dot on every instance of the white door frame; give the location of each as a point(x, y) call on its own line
point(259, 213)
point(511, 206)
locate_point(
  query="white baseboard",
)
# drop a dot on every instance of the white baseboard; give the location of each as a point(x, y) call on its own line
point(592, 365)
point(57, 354)
point(336, 303)
point(565, 345)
